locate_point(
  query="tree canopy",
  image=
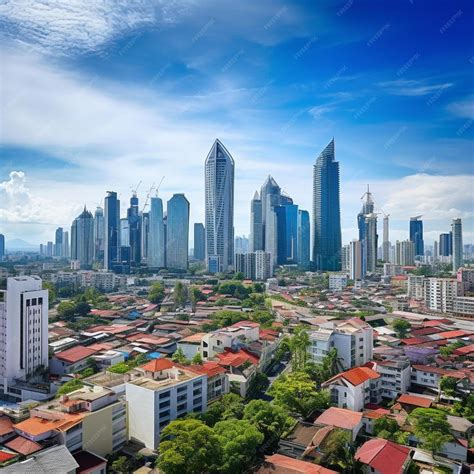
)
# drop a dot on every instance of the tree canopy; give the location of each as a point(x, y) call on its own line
point(156, 293)
point(431, 427)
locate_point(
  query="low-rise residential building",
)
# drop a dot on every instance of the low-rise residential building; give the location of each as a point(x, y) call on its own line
point(354, 388)
point(342, 418)
point(395, 376)
point(381, 456)
point(439, 294)
point(71, 360)
point(430, 377)
point(463, 307)
point(191, 345)
point(217, 379)
point(158, 393)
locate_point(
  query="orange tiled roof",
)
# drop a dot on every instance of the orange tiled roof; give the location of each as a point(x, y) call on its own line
point(415, 401)
point(36, 426)
point(23, 446)
point(236, 359)
point(75, 354)
point(208, 368)
point(340, 418)
point(356, 376)
point(6, 425)
point(157, 365)
point(283, 464)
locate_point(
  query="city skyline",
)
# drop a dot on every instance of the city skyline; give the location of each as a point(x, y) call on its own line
point(90, 114)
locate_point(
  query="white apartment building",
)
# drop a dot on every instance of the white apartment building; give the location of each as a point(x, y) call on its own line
point(23, 333)
point(395, 376)
point(405, 253)
point(337, 281)
point(391, 269)
point(430, 377)
point(355, 260)
point(215, 342)
point(353, 340)
point(463, 306)
point(354, 388)
point(416, 286)
point(160, 394)
point(440, 293)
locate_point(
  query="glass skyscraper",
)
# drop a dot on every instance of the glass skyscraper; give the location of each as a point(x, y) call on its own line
point(416, 235)
point(82, 239)
point(199, 241)
point(219, 208)
point(287, 234)
point(99, 235)
point(111, 230)
point(156, 235)
point(304, 244)
point(446, 244)
point(177, 230)
point(326, 212)
point(458, 260)
point(256, 224)
point(134, 222)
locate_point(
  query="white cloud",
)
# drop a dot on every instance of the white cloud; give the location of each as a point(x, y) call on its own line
point(412, 88)
point(79, 25)
point(463, 108)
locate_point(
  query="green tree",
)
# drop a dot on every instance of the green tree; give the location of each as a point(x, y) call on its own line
point(270, 419)
point(239, 276)
point(180, 294)
point(82, 308)
point(188, 447)
point(66, 309)
point(179, 357)
point(431, 427)
point(227, 407)
point(227, 317)
point(340, 453)
point(70, 386)
point(197, 359)
point(448, 385)
point(401, 327)
point(52, 295)
point(239, 441)
point(157, 293)
point(388, 428)
point(297, 393)
point(121, 465)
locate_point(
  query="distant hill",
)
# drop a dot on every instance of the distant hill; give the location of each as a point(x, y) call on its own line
point(20, 244)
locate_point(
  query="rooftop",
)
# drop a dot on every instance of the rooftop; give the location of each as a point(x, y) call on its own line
point(23, 446)
point(75, 354)
point(340, 418)
point(356, 376)
point(279, 464)
point(383, 456)
point(415, 400)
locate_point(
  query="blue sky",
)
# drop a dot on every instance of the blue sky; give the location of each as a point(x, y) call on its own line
point(99, 95)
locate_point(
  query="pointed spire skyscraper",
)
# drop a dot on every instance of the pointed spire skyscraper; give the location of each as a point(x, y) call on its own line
point(326, 212)
point(256, 229)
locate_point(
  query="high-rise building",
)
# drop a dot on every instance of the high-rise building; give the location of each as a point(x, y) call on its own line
point(256, 225)
point(304, 240)
point(446, 244)
point(156, 236)
point(199, 241)
point(145, 235)
point(355, 260)
point(405, 253)
point(124, 233)
point(58, 242)
point(270, 195)
point(435, 250)
point(326, 212)
point(24, 334)
point(99, 229)
point(82, 243)
point(367, 224)
point(111, 230)
point(254, 265)
point(134, 223)
point(456, 229)
point(416, 235)
point(66, 250)
point(287, 234)
point(386, 239)
point(346, 258)
point(2, 247)
point(177, 233)
point(241, 244)
point(219, 208)
point(49, 249)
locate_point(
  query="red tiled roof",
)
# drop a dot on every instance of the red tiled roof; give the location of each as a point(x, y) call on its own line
point(436, 322)
point(437, 370)
point(193, 338)
point(426, 331)
point(340, 418)
point(415, 401)
point(453, 334)
point(208, 368)
point(5, 456)
point(461, 351)
point(244, 322)
point(6, 425)
point(411, 341)
point(356, 376)
point(23, 446)
point(157, 365)
point(75, 354)
point(236, 359)
point(280, 464)
point(383, 456)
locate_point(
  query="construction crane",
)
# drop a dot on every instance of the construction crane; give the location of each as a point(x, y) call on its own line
point(135, 191)
point(148, 197)
point(159, 185)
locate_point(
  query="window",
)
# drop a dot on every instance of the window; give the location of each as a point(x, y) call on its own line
point(182, 407)
point(198, 383)
point(164, 395)
point(182, 388)
point(181, 398)
point(197, 391)
point(165, 404)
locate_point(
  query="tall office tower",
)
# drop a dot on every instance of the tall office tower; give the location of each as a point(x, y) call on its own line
point(346, 258)
point(287, 233)
point(124, 233)
point(405, 253)
point(58, 242)
point(145, 235)
point(369, 250)
point(99, 232)
point(446, 244)
point(256, 225)
point(199, 242)
point(241, 244)
point(66, 250)
point(435, 250)
point(416, 235)
point(82, 232)
point(386, 239)
point(133, 216)
point(355, 260)
point(156, 235)
point(458, 259)
point(49, 249)
point(326, 212)
point(304, 240)
point(111, 230)
point(2, 247)
point(219, 209)
point(254, 265)
point(24, 334)
point(177, 230)
point(270, 195)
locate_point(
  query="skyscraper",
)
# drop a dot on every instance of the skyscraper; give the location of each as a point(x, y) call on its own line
point(416, 235)
point(99, 229)
point(156, 235)
point(58, 242)
point(24, 335)
point(355, 260)
point(326, 212)
point(270, 195)
point(2, 246)
point(241, 244)
point(287, 234)
point(219, 208)
point(458, 260)
point(177, 230)
point(199, 241)
point(304, 240)
point(446, 244)
point(367, 224)
point(111, 230)
point(405, 253)
point(82, 231)
point(66, 251)
point(134, 223)
point(256, 225)
point(386, 239)
point(145, 235)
